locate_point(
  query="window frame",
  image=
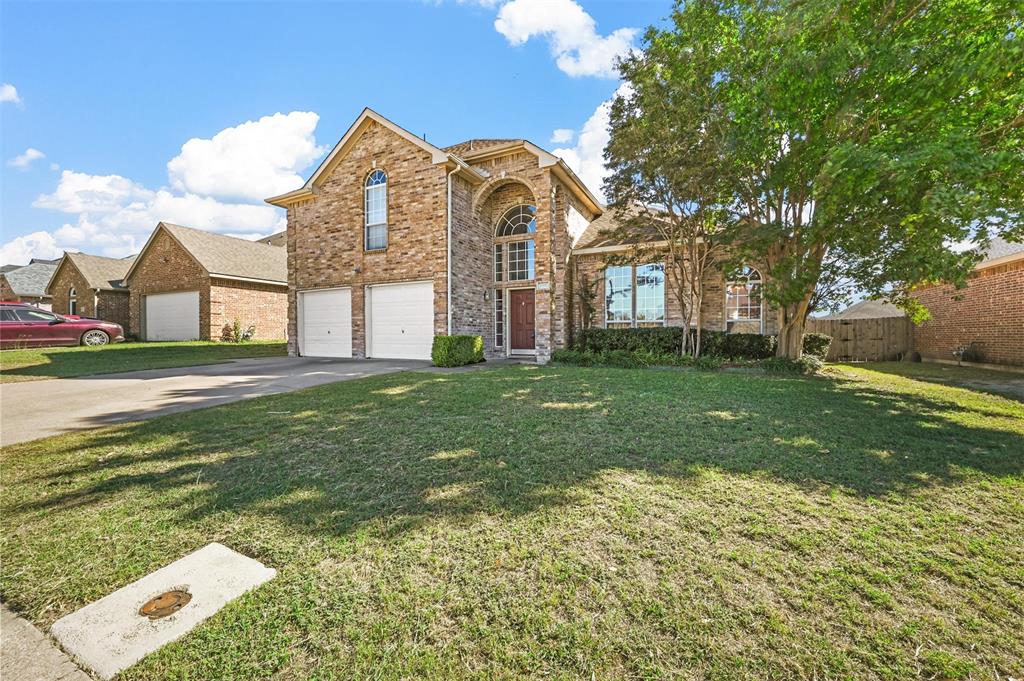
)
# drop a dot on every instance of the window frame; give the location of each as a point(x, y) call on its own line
point(514, 236)
point(753, 278)
point(72, 301)
point(499, 318)
point(634, 291)
point(371, 185)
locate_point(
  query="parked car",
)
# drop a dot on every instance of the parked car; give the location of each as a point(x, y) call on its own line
point(25, 326)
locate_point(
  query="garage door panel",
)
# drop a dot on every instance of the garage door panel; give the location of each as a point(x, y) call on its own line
point(172, 316)
point(326, 323)
point(401, 320)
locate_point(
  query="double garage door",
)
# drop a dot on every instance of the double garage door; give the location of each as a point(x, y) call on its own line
point(172, 316)
point(399, 321)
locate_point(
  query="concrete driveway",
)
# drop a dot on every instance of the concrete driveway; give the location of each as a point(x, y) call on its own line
point(36, 409)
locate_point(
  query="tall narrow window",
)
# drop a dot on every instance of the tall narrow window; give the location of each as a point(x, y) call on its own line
point(520, 260)
point(72, 301)
point(376, 210)
point(499, 318)
point(743, 296)
point(650, 293)
point(618, 296)
point(498, 263)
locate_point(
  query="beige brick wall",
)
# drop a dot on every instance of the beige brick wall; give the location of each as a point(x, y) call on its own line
point(325, 234)
point(111, 306)
point(988, 313)
point(261, 305)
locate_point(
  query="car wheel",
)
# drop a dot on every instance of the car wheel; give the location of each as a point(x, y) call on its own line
point(95, 337)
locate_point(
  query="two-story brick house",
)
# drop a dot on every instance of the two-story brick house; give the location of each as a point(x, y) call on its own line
point(393, 240)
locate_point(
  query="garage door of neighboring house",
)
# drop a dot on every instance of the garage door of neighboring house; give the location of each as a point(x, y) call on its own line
point(325, 323)
point(172, 316)
point(400, 320)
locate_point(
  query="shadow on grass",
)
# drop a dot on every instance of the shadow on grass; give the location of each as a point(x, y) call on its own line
point(65, 362)
point(408, 448)
point(1003, 383)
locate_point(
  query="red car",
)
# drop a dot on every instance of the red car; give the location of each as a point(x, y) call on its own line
point(25, 326)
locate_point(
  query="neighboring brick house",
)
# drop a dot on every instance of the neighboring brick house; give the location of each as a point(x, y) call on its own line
point(91, 286)
point(27, 284)
point(986, 317)
point(190, 284)
point(393, 240)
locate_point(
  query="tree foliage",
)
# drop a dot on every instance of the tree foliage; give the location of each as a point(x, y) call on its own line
point(853, 141)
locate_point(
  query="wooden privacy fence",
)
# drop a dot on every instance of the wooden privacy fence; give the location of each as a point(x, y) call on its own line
point(871, 340)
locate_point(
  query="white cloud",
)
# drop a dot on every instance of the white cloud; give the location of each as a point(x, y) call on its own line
point(571, 33)
point(20, 250)
point(23, 161)
point(251, 161)
point(114, 215)
point(586, 157)
point(9, 93)
point(562, 135)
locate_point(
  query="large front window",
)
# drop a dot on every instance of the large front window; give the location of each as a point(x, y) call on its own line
point(376, 210)
point(634, 295)
point(514, 255)
point(743, 296)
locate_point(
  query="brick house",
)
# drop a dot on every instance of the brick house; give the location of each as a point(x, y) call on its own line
point(27, 284)
point(190, 284)
point(393, 240)
point(91, 286)
point(987, 316)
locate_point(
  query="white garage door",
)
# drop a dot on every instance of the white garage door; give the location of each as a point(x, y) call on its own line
point(325, 323)
point(401, 323)
point(172, 316)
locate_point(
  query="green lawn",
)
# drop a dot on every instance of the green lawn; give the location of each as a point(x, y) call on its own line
point(41, 363)
point(559, 522)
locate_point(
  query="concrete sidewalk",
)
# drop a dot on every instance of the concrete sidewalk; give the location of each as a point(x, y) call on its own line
point(27, 655)
point(36, 409)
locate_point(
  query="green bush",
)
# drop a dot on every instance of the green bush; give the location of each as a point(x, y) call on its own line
point(456, 351)
point(632, 360)
point(817, 345)
point(668, 340)
point(808, 364)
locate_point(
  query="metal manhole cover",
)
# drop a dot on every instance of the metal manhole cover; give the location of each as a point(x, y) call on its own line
point(165, 604)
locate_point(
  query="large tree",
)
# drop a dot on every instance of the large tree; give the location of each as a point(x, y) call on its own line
point(868, 133)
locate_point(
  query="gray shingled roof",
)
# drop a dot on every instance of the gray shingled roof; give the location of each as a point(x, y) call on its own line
point(475, 145)
point(868, 309)
point(279, 239)
point(101, 272)
point(30, 280)
point(230, 256)
point(607, 230)
point(1000, 248)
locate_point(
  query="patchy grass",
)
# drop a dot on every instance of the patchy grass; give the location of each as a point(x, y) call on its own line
point(65, 362)
point(562, 522)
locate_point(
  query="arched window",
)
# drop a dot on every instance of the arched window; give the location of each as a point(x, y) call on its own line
point(72, 301)
point(517, 220)
point(514, 257)
point(743, 296)
point(376, 212)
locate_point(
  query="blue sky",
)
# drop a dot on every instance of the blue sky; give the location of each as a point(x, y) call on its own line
point(116, 115)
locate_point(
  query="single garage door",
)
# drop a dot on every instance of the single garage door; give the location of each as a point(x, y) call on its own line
point(172, 316)
point(325, 323)
point(401, 323)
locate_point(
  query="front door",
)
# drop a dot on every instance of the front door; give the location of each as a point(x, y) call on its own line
point(521, 314)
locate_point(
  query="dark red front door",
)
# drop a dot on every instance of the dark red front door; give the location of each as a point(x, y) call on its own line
point(521, 314)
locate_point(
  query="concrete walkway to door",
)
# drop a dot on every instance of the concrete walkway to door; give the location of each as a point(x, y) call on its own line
point(36, 409)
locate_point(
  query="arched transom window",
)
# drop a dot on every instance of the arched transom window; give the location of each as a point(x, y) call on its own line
point(517, 220)
point(376, 210)
point(72, 301)
point(514, 255)
point(743, 295)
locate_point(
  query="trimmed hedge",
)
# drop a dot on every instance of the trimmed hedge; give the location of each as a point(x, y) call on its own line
point(457, 351)
point(668, 340)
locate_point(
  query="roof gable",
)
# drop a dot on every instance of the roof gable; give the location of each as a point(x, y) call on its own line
point(30, 280)
point(99, 272)
point(348, 140)
point(224, 256)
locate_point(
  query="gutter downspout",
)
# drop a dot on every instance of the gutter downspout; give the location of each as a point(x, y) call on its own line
point(448, 305)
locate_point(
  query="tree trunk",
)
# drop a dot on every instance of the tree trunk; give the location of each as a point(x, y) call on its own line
point(792, 319)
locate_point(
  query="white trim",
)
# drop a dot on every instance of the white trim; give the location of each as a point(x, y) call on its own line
point(995, 262)
point(231, 277)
